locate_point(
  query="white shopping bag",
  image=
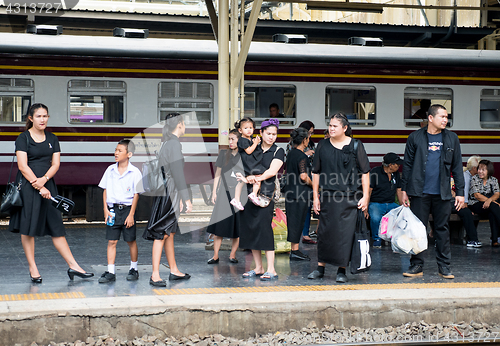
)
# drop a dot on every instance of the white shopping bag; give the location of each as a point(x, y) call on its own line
point(386, 228)
point(409, 234)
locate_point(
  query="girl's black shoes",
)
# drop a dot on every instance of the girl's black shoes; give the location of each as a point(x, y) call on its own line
point(37, 280)
point(72, 273)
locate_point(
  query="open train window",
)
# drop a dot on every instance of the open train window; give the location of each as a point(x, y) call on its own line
point(96, 101)
point(258, 98)
point(193, 100)
point(358, 103)
point(489, 117)
point(419, 99)
point(16, 95)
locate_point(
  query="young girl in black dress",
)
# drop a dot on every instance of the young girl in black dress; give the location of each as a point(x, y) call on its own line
point(38, 158)
point(225, 220)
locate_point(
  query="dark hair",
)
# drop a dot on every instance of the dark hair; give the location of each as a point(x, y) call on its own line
point(227, 157)
point(343, 120)
point(489, 167)
point(128, 144)
point(298, 135)
point(34, 107)
point(308, 125)
point(274, 105)
point(171, 122)
point(425, 104)
point(238, 124)
point(434, 109)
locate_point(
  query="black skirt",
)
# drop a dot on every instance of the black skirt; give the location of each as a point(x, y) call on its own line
point(256, 229)
point(225, 220)
point(165, 212)
point(37, 217)
point(296, 214)
point(337, 224)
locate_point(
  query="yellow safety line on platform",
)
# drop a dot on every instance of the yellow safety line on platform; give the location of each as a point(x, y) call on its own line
point(221, 290)
point(41, 296)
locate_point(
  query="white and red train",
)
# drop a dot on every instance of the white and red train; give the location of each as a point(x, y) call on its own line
point(102, 89)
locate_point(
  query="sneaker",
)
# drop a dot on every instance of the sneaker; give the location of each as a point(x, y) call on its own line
point(237, 204)
point(445, 272)
point(414, 270)
point(377, 244)
point(107, 277)
point(132, 275)
point(474, 244)
point(255, 200)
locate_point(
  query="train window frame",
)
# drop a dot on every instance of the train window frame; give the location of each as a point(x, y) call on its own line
point(354, 122)
point(188, 113)
point(434, 94)
point(98, 88)
point(286, 121)
point(14, 87)
point(487, 111)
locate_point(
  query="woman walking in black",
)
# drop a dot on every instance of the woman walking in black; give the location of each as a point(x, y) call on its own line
point(341, 168)
point(225, 220)
point(164, 220)
point(298, 190)
point(38, 158)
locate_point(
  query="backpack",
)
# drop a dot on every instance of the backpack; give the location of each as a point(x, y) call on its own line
point(153, 176)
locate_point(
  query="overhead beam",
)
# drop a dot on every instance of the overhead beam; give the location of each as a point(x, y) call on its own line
point(213, 18)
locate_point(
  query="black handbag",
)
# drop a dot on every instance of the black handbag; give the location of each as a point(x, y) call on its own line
point(361, 260)
point(11, 199)
point(63, 204)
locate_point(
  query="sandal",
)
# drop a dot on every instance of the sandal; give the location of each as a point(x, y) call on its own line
point(268, 276)
point(251, 274)
point(254, 199)
point(237, 204)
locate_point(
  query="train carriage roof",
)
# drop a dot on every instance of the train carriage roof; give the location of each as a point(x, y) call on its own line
point(64, 45)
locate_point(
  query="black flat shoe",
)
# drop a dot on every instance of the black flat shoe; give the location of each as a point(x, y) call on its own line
point(72, 273)
point(341, 277)
point(233, 260)
point(213, 261)
point(37, 280)
point(161, 283)
point(315, 275)
point(177, 277)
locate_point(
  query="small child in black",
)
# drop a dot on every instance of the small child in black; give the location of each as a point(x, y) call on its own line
point(251, 157)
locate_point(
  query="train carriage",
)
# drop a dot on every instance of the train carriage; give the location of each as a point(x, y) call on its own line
point(102, 89)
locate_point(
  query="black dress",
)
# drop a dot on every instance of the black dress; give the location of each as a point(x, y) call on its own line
point(166, 209)
point(297, 193)
point(340, 181)
point(225, 220)
point(37, 217)
point(255, 222)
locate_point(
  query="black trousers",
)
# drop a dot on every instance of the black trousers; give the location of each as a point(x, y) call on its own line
point(465, 214)
point(440, 210)
point(493, 213)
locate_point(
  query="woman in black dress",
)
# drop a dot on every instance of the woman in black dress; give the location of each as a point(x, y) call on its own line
point(163, 222)
point(341, 168)
point(38, 158)
point(255, 222)
point(298, 190)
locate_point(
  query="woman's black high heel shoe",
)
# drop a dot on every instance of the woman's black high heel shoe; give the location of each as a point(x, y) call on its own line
point(37, 280)
point(72, 273)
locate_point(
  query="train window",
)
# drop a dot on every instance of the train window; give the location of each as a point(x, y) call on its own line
point(356, 102)
point(15, 99)
point(193, 100)
point(96, 101)
point(490, 108)
point(258, 98)
point(419, 99)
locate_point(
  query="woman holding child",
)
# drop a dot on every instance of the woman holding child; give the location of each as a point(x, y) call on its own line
point(163, 222)
point(256, 231)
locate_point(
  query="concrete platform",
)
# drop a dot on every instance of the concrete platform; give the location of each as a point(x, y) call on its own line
point(218, 300)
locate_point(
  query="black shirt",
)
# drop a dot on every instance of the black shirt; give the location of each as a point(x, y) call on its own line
point(251, 163)
point(384, 189)
point(38, 153)
point(297, 163)
point(340, 169)
point(267, 186)
point(172, 160)
point(432, 171)
point(229, 165)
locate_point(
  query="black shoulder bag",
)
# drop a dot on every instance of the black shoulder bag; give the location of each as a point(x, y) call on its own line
point(11, 199)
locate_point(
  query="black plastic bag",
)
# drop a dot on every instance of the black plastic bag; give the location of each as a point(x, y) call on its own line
point(361, 260)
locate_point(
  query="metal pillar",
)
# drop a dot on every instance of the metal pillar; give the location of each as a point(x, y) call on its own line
point(223, 40)
point(234, 58)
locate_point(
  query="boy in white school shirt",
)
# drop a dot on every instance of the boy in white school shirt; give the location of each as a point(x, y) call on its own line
point(122, 183)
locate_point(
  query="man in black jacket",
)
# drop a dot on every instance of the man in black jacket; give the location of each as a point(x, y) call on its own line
point(432, 155)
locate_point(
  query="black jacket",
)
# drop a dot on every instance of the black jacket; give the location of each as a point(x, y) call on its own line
point(416, 158)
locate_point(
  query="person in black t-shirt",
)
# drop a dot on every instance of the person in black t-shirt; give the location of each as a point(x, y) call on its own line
point(385, 182)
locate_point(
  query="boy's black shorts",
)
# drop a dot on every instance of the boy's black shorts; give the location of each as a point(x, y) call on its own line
point(114, 232)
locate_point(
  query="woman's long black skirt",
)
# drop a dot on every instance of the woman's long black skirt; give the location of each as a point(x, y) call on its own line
point(296, 214)
point(256, 232)
point(225, 220)
point(337, 224)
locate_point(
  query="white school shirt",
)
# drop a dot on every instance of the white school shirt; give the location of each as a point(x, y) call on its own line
point(120, 189)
